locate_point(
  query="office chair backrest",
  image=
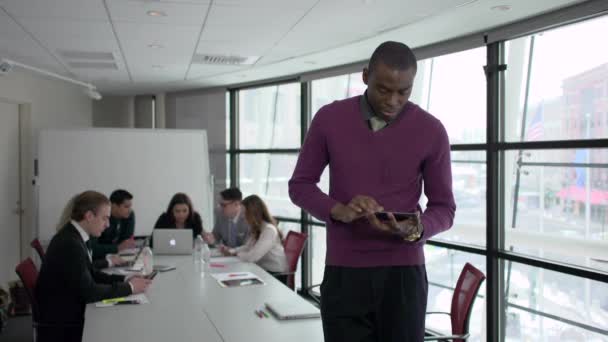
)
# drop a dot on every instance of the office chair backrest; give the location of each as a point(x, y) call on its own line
point(467, 287)
point(38, 247)
point(294, 245)
point(27, 272)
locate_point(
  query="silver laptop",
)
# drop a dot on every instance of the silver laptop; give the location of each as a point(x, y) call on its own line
point(292, 309)
point(172, 241)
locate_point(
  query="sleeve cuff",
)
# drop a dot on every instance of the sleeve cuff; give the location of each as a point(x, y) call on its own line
point(109, 260)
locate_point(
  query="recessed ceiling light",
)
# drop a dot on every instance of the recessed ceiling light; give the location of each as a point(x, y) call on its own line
point(155, 13)
point(501, 8)
point(155, 46)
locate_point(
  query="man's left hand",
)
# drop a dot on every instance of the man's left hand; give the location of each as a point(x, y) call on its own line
point(410, 229)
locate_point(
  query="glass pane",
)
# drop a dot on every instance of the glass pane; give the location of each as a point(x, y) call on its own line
point(469, 187)
point(318, 254)
point(269, 117)
point(533, 293)
point(453, 89)
point(443, 267)
point(330, 89)
point(552, 200)
point(568, 87)
point(266, 175)
point(228, 180)
point(228, 132)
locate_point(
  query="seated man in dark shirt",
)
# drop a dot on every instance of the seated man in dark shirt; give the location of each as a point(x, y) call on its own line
point(119, 234)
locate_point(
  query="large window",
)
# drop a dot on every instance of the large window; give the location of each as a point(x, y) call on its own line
point(266, 175)
point(553, 199)
point(567, 81)
point(556, 197)
point(327, 90)
point(269, 117)
point(269, 120)
point(553, 306)
point(452, 88)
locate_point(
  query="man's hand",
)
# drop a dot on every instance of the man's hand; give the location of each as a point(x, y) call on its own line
point(209, 238)
point(127, 244)
point(139, 284)
point(226, 251)
point(358, 207)
point(409, 230)
point(117, 260)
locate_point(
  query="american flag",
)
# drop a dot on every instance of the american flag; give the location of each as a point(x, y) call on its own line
point(535, 129)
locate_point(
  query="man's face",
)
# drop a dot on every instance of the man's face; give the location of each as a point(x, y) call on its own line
point(388, 90)
point(94, 223)
point(123, 210)
point(230, 208)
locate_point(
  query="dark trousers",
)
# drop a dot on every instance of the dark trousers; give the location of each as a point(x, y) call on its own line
point(380, 304)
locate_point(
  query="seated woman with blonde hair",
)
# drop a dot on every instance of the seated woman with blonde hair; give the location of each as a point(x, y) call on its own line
point(265, 244)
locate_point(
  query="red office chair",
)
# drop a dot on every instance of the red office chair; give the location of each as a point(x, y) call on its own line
point(467, 287)
point(27, 272)
point(38, 247)
point(294, 245)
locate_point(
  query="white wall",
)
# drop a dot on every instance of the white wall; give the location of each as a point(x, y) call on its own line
point(44, 103)
point(54, 104)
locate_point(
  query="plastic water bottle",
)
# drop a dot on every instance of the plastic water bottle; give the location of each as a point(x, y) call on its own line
point(206, 253)
point(198, 249)
point(148, 260)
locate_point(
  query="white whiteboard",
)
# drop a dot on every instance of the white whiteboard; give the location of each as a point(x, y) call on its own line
point(153, 165)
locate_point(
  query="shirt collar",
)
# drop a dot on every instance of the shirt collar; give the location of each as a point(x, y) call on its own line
point(84, 235)
point(367, 112)
point(366, 108)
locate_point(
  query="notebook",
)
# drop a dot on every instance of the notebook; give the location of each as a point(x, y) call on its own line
point(292, 309)
point(237, 279)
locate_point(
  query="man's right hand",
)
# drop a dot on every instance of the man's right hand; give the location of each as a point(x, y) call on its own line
point(358, 207)
point(209, 238)
point(127, 244)
point(139, 284)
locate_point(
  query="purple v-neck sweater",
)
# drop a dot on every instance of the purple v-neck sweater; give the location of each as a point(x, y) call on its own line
point(390, 165)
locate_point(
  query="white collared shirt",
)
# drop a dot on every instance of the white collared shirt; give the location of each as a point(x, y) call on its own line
point(84, 235)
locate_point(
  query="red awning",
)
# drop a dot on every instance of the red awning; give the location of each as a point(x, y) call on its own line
point(579, 193)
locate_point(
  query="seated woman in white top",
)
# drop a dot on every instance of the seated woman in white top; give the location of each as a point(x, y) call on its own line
point(265, 243)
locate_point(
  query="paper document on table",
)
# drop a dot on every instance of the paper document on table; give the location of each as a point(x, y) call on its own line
point(139, 298)
point(237, 279)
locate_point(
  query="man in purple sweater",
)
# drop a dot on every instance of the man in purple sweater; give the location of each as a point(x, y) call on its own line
point(381, 150)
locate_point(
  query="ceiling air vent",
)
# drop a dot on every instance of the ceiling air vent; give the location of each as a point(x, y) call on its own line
point(224, 60)
point(86, 55)
point(93, 65)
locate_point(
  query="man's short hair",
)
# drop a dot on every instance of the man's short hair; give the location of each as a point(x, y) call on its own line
point(232, 194)
point(119, 196)
point(85, 202)
point(394, 55)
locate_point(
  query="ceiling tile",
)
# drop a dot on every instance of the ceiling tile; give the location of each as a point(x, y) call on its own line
point(177, 13)
point(56, 9)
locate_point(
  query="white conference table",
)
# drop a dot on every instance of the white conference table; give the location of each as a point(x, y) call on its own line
point(188, 304)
